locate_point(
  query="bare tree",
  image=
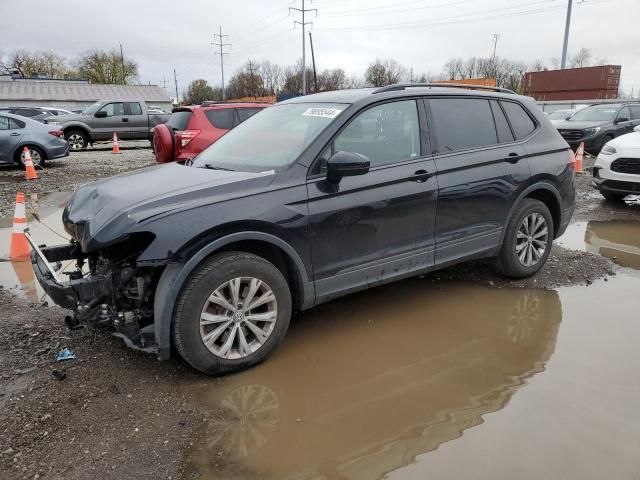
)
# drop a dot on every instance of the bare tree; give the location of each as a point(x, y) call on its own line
point(581, 59)
point(100, 66)
point(332, 79)
point(33, 64)
point(384, 72)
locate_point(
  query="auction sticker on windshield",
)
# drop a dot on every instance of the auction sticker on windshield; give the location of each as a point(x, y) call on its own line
point(321, 112)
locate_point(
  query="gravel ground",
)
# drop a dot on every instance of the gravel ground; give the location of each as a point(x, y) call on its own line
point(69, 173)
point(120, 414)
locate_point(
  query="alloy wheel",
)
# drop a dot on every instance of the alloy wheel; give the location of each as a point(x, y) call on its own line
point(531, 240)
point(36, 158)
point(238, 317)
point(75, 141)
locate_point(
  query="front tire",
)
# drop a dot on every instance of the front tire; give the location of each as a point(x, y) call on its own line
point(77, 140)
point(527, 241)
point(37, 157)
point(613, 197)
point(232, 312)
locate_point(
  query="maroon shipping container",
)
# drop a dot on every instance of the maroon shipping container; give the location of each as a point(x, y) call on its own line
point(574, 83)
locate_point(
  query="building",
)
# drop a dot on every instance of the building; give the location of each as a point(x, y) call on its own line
point(74, 94)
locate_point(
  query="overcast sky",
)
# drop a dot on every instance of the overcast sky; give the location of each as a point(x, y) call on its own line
point(423, 34)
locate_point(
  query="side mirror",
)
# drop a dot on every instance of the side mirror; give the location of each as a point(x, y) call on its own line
point(100, 114)
point(569, 117)
point(621, 119)
point(636, 128)
point(346, 164)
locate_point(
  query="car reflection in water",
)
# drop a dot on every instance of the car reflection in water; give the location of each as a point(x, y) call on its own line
point(365, 384)
point(619, 241)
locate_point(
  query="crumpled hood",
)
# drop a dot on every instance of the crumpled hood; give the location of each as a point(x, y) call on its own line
point(106, 211)
point(568, 125)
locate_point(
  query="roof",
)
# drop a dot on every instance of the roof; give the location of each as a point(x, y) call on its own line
point(64, 90)
point(369, 94)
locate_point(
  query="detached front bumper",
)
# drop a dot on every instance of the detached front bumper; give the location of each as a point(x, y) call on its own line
point(616, 186)
point(73, 292)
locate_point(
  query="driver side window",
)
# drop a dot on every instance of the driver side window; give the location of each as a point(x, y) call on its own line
point(385, 134)
point(623, 114)
point(113, 109)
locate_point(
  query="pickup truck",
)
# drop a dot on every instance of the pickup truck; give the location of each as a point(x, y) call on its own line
point(130, 120)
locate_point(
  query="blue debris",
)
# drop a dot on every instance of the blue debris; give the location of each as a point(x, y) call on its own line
point(65, 354)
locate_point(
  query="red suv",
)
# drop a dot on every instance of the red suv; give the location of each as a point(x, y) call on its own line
point(193, 128)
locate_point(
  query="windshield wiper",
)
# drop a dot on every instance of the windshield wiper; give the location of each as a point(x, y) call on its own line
point(211, 166)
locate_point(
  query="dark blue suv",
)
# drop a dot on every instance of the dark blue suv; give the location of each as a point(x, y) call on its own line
point(313, 198)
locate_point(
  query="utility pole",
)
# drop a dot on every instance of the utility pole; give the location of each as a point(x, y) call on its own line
point(164, 84)
point(563, 63)
point(252, 77)
point(303, 24)
point(313, 61)
point(222, 53)
point(496, 36)
point(122, 60)
point(175, 79)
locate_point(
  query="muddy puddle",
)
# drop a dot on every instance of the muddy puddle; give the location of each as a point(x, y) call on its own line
point(422, 380)
point(616, 240)
point(18, 276)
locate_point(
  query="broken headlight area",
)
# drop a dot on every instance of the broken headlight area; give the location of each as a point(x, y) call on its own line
point(108, 288)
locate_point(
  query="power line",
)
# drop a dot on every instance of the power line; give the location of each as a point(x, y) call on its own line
point(303, 11)
point(222, 53)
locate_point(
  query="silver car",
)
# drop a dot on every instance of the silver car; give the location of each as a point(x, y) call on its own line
point(45, 142)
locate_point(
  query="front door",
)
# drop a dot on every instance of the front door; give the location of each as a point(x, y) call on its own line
point(115, 121)
point(376, 226)
point(481, 169)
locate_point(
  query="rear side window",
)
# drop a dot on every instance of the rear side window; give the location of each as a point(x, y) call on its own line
point(245, 113)
point(179, 120)
point(7, 123)
point(521, 122)
point(462, 123)
point(220, 118)
point(502, 126)
point(635, 112)
point(134, 108)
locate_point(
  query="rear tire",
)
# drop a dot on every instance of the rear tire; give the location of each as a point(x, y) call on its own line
point(613, 197)
point(527, 240)
point(214, 328)
point(77, 140)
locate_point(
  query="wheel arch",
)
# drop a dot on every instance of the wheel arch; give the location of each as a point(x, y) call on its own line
point(78, 126)
point(28, 143)
point(266, 245)
point(548, 194)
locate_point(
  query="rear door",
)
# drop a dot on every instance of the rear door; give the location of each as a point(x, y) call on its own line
point(115, 121)
point(378, 225)
point(481, 168)
point(138, 122)
point(11, 132)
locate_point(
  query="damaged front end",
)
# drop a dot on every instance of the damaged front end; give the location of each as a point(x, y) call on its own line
point(106, 288)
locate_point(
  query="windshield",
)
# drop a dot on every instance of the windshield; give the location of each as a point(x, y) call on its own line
point(271, 139)
point(560, 115)
point(92, 108)
point(595, 114)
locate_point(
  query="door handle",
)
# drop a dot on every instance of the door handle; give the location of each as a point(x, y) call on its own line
point(513, 158)
point(420, 176)
point(125, 119)
point(14, 134)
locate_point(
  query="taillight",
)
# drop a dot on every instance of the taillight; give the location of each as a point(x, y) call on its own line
point(186, 136)
point(57, 133)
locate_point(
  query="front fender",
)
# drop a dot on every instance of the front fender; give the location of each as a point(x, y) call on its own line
point(175, 274)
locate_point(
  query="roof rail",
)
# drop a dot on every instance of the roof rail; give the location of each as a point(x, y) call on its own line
point(403, 86)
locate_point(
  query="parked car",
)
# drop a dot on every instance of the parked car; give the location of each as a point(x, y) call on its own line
point(128, 119)
point(34, 111)
point(191, 129)
point(597, 124)
point(560, 115)
point(616, 172)
point(43, 141)
point(313, 198)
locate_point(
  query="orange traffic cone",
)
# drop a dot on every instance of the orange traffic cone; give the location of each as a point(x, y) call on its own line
point(579, 157)
point(20, 248)
point(116, 147)
point(28, 164)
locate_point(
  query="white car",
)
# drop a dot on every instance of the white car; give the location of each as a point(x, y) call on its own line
point(616, 172)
